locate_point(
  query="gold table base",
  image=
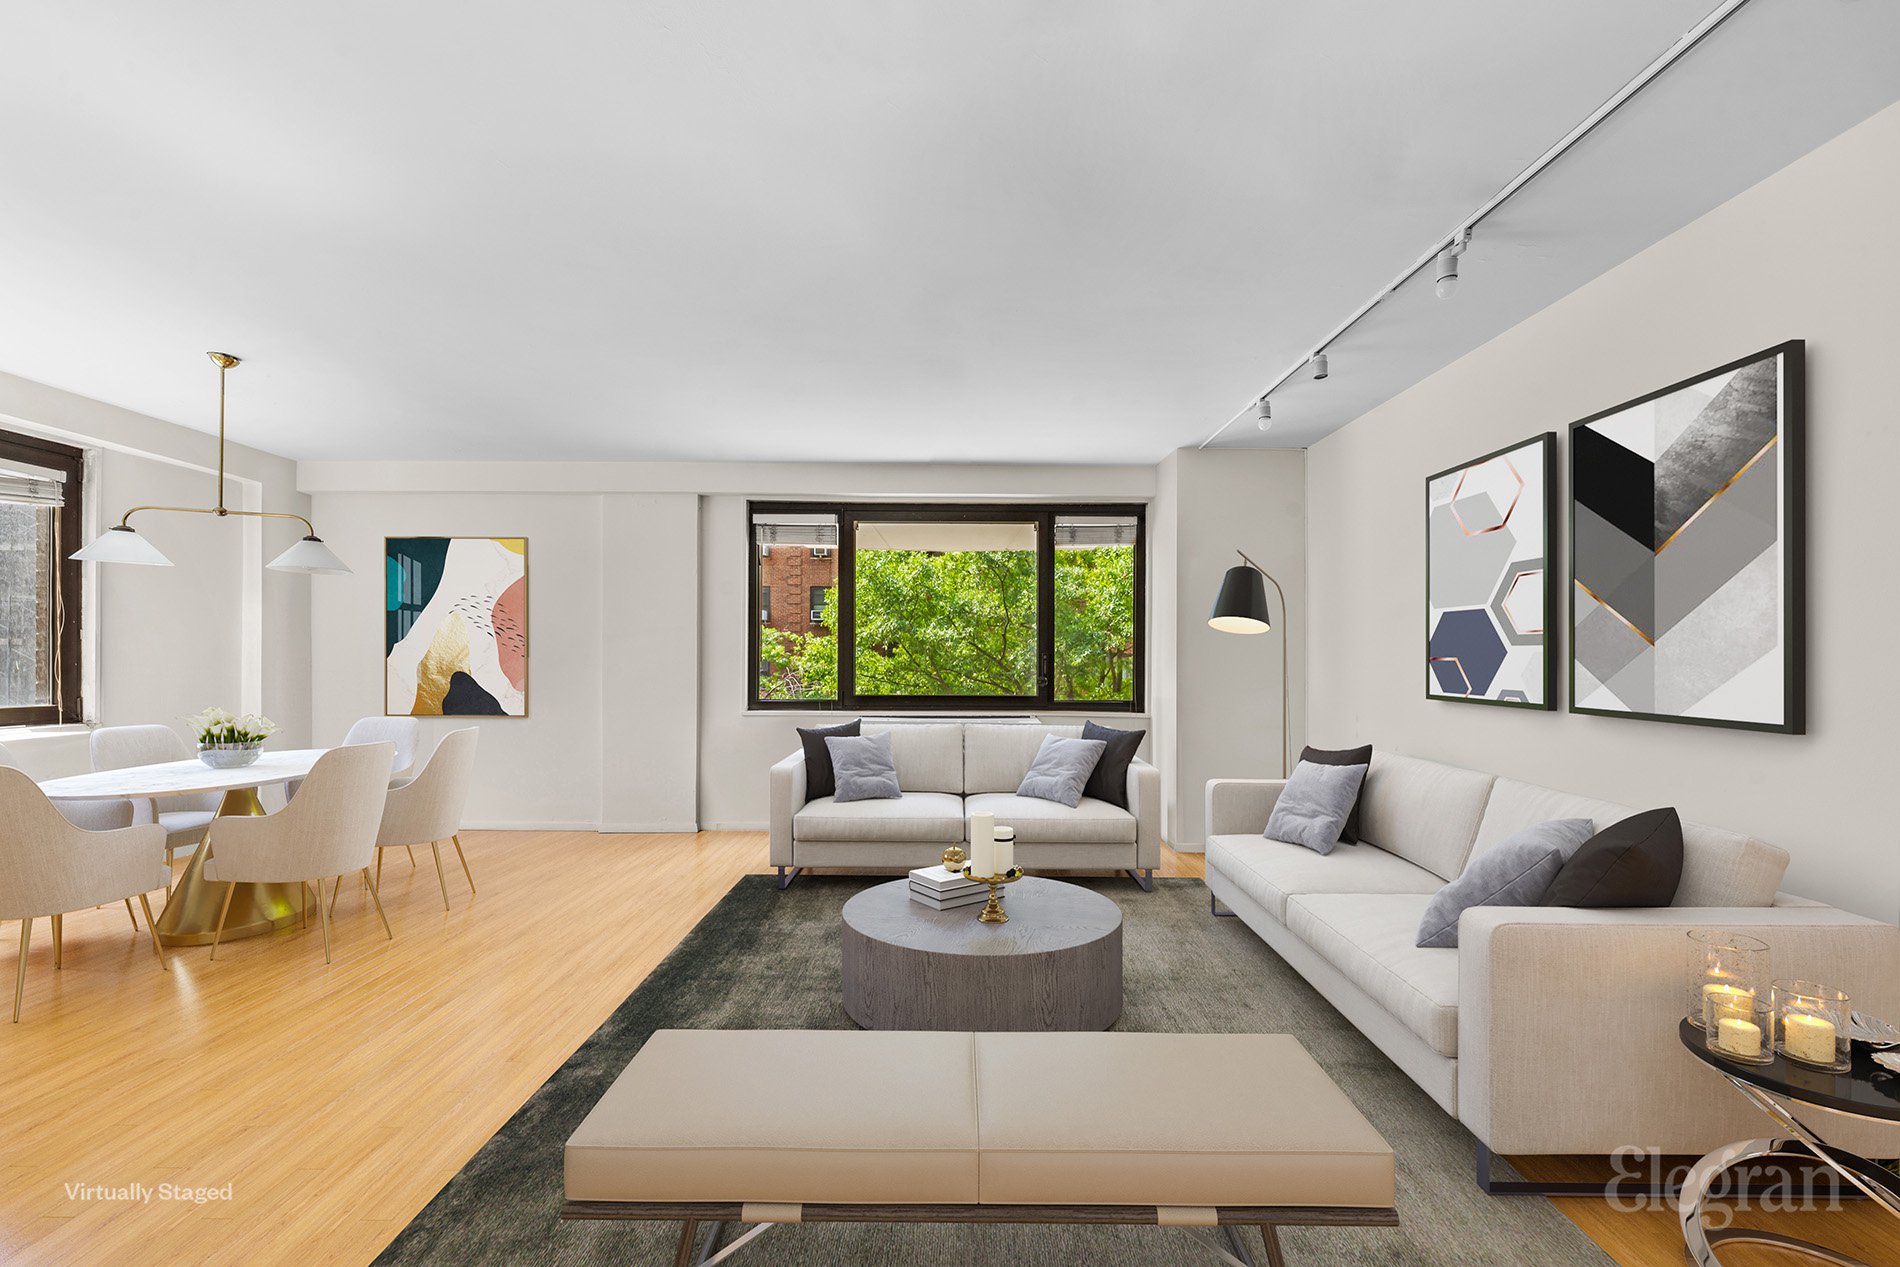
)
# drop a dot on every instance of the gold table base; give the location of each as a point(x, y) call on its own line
point(191, 912)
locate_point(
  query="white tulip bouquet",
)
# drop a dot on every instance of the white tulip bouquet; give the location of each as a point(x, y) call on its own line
point(216, 727)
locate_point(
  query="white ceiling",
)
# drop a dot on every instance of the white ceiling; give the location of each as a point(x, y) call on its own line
point(1089, 230)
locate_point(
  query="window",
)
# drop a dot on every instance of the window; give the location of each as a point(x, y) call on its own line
point(39, 586)
point(950, 606)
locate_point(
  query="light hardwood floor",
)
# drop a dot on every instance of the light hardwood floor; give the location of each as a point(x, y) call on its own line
point(334, 1101)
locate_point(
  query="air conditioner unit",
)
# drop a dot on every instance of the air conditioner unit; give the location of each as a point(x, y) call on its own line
point(765, 615)
point(821, 552)
point(817, 615)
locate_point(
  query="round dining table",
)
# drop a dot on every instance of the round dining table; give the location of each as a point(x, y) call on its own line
point(190, 917)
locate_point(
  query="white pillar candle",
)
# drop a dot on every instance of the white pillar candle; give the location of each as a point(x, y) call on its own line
point(1809, 1038)
point(1729, 1000)
point(1738, 1037)
point(1005, 853)
point(982, 844)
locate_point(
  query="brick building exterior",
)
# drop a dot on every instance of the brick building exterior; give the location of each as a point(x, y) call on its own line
point(792, 585)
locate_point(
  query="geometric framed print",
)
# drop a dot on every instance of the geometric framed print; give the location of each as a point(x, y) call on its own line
point(1489, 601)
point(1687, 531)
point(455, 636)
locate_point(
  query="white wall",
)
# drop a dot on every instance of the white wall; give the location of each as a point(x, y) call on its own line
point(1809, 253)
point(638, 579)
point(1220, 714)
point(216, 628)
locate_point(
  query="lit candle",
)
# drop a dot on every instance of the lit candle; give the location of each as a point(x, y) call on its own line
point(1005, 851)
point(982, 844)
point(1808, 1038)
point(1738, 1037)
point(1728, 1000)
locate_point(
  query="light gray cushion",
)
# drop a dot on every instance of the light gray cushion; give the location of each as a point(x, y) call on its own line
point(929, 754)
point(1514, 872)
point(1368, 938)
point(1061, 768)
point(1271, 871)
point(1039, 822)
point(934, 817)
point(1312, 810)
point(863, 768)
point(1425, 811)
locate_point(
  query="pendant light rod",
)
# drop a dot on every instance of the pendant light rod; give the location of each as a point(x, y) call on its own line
point(1462, 234)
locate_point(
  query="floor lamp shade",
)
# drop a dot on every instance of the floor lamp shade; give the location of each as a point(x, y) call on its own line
point(1241, 606)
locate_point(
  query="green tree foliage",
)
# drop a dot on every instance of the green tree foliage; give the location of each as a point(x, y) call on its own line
point(964, 623)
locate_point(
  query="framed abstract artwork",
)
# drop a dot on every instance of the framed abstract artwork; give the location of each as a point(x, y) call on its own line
point(1687, 515)
point(455, 641)
point(1489, 606)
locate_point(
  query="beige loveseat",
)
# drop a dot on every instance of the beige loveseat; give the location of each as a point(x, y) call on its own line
point(1548, 1029)
point(949, 770)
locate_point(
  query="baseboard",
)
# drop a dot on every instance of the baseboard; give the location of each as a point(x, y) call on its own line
point(647, 829)
point(761, 826)
point(527, 825)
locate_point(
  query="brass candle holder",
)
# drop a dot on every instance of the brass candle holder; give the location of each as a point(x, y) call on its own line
point(992, 912)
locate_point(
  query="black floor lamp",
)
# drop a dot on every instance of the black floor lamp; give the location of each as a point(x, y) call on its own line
point(1241, 608)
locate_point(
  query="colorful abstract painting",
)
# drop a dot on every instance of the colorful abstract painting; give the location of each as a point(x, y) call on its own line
point(456, 637)
point(1686, 531)
point(1488, 609)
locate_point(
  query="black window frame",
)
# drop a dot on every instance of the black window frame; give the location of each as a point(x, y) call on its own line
point(1042, 514)
point(68, 706)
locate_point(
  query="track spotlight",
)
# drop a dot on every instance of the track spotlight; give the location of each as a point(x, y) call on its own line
point(1263, 414)
point(1446, 279)
point(1447, 273)
point(1320, 369)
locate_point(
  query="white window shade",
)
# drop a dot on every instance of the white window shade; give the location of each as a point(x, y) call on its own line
point(795, 530)
point(1080, 531)
point(944, 538)
point(26, 484)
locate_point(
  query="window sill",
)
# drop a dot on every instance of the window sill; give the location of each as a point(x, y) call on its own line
point(18, 734)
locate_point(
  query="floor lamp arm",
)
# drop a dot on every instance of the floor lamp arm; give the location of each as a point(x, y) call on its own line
point(1286, 677)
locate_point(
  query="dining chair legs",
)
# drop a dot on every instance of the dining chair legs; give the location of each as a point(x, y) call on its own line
point(59, 942)
point(19, 977)
point(436, 847)
point(457, 840)
point(379, 867)
point(230, 889)
point(152, 925)
point(412, 854)
point(323, 918)
point(374, 897)
point(129, 915)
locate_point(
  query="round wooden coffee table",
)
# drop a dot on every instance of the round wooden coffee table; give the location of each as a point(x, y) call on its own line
point(1056, 965)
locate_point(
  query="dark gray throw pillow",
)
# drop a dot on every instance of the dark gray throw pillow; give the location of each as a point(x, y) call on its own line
point(864, 767)
point(818, 778)
point(1109, 780)
point(1313, 806)
point(1061, 769)
point(1637, 862)
point(1516, 871)
point(1362, 755)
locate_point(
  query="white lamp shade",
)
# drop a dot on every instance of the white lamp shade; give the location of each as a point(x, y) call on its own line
point(310, 555)
point(120, 544)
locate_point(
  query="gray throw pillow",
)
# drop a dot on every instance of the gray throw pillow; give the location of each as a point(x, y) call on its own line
point(1061, 769)
point(1517, 871)
point(863, 768)
point(1313, 806)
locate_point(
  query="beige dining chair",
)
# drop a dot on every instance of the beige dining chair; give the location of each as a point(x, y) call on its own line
point(404, 732)
point(184, 818)
point(49, 867)
point(326, 832)
point(87, 815)
point(428, 809)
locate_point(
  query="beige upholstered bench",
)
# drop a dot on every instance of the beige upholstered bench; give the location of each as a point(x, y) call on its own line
point(1214, 1131)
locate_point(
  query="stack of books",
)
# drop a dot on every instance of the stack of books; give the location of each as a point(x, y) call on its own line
point(943, 890)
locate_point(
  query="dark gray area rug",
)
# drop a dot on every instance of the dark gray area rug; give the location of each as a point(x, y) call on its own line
point(763, 959)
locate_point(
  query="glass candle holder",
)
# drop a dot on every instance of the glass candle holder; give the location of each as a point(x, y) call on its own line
point(1731, 967)
point(1739, 1028)
point(1813, 1025)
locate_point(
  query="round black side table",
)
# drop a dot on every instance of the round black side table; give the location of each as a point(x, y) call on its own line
point(1867, 1090)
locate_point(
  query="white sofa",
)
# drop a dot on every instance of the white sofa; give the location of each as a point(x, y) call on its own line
point(949, 770)
point(1548, 1029)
